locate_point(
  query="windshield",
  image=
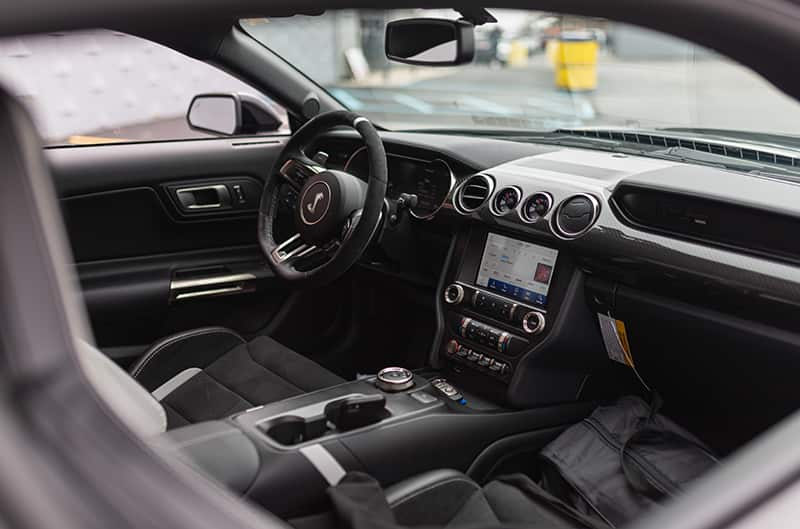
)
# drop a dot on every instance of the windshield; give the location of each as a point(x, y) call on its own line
point(532, 71)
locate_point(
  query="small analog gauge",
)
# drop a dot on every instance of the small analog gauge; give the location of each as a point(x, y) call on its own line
point(536, 206)
point(506, 200)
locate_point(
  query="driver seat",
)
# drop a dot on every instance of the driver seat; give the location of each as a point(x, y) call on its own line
point(212, 372)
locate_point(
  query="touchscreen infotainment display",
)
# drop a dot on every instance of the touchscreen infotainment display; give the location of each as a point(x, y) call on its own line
point(517, 269)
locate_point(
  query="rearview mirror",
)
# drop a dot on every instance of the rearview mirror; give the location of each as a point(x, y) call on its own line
point(232, 114)
point(430, 41)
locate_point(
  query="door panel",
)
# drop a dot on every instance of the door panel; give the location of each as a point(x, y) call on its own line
point(150, 266)
point(136, 222)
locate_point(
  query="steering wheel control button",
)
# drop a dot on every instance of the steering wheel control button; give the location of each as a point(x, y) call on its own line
point(533, 322)
point(454, 294)
point(392, 379)
point(576, 215)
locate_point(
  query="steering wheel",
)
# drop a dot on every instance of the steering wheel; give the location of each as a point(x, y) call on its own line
point(337, 214)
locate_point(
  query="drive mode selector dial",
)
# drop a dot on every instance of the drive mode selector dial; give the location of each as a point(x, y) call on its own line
point(533, 322)
point(394, 379)
point(454, 294)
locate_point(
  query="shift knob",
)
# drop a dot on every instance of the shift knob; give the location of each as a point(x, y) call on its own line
point(354, 412)
point(394, 379)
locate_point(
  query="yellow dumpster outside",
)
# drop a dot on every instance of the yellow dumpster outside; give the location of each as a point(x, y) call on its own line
point(576, 62)
point(518, 55)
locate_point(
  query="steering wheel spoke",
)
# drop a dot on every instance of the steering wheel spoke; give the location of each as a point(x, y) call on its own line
point(298, 169)
point(291, 249)
point(336, 215)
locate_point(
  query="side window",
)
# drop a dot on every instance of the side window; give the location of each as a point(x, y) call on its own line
point(102, 86)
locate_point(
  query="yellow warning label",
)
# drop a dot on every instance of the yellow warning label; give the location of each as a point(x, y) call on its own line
point(623, 341)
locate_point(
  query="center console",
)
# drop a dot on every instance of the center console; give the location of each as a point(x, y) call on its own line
point(494, 312)
point(285, 455)
point(515, 343)
point(504, 305)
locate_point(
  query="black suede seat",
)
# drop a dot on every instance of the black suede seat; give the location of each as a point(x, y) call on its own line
point(448, 499)
point(211, 373)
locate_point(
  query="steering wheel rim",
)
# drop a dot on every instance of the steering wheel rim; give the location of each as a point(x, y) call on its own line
point(329, 196)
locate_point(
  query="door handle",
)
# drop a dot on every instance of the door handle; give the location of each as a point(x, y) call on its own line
point(219, 285)
point(204, 197)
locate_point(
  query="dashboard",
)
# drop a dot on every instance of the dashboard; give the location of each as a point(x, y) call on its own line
point(633, 217)
point(430, 180)
point(537, 240)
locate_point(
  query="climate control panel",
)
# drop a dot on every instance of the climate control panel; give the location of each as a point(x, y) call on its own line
point(527, 319)
point(485, 335)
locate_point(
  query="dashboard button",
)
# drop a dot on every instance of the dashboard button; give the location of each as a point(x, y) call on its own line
point(452, 347)
point(481, 300)
point(454, 294)
point(533, 322)
point(424, 398)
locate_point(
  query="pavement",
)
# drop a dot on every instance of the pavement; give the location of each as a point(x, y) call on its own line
point(710, 93)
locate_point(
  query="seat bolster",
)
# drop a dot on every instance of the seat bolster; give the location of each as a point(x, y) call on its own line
point(439, 498)
point(412, 488)
point(174, 354)
point(135, 406)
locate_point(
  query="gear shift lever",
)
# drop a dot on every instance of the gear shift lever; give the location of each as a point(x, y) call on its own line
point(354, 412)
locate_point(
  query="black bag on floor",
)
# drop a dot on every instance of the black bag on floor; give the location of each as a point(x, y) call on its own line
point(622, 460)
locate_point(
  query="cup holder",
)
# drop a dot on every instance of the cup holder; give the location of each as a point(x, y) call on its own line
point(291, 430)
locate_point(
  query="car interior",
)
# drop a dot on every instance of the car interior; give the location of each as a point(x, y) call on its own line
point(431, 309)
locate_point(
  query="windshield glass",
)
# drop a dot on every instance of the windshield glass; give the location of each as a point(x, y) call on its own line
point(533, 71)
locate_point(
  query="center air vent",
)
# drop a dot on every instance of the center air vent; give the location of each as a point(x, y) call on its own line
point(474, 193)
point(576, 215)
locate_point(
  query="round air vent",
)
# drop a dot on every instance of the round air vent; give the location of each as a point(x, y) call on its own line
point(474, 193)
point(575, 216)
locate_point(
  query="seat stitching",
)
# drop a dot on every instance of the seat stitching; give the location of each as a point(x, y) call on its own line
point(158, 348)
point(167, 342)
point(432, 486)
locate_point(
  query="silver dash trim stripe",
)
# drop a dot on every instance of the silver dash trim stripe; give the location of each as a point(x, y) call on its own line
point(324, 462)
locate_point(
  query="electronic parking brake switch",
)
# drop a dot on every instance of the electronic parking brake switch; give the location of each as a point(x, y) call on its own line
point(448, 390)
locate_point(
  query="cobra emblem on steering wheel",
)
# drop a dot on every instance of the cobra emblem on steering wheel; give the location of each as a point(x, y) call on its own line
point(313, 207)
point(315, 203)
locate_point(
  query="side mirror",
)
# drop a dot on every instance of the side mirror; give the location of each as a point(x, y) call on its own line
point(232, 114)
point(430, 41)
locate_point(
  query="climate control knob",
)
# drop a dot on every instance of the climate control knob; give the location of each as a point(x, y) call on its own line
point(533, 322)
point(454, 294)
